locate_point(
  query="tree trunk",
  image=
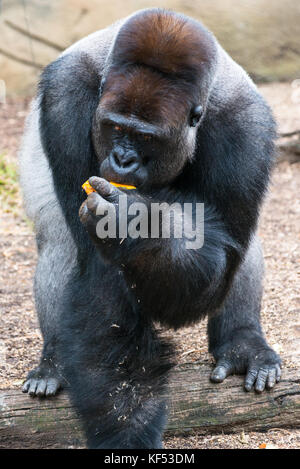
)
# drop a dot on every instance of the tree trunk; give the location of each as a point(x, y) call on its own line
point(196, 404)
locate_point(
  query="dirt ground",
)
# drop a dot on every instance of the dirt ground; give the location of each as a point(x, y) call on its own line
point(20, 340)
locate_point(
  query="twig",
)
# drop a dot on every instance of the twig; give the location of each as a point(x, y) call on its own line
point(34, 36)
point(188, 352)
point(290, 134)
point(21, 60)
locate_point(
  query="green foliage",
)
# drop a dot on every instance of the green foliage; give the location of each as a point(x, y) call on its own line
point(9, 188)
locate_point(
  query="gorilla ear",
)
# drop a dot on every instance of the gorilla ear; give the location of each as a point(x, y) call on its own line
point(196, 113)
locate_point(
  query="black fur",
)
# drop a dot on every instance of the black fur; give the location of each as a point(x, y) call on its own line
point(70, 90)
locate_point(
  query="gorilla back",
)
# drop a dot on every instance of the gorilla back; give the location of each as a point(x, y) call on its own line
point(155, 102)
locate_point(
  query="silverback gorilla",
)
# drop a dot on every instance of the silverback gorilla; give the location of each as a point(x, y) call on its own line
point(155, 102)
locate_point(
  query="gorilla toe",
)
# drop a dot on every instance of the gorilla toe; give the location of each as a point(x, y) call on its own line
point(256, 360)
point(43, 381)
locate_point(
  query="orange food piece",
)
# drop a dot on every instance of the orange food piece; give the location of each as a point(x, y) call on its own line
point(262, 446)
point(88, 188)
point(125, 186)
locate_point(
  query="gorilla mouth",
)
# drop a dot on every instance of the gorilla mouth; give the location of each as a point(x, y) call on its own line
point(133, 179)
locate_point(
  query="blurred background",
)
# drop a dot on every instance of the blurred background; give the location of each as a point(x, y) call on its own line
point(261, 35)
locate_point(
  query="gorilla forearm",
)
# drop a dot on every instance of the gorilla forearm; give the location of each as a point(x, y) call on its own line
point(177, 287)
point(169, 282)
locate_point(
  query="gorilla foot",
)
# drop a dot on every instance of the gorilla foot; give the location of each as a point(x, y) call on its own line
point(43, 381)
point(261, 365)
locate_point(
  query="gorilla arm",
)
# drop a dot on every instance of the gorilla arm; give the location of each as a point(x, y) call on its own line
point(171, 283)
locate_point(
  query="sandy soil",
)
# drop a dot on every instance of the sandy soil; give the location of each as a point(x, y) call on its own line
point(20, 340)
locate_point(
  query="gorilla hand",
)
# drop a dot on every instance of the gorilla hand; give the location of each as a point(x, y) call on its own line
point(100, 204)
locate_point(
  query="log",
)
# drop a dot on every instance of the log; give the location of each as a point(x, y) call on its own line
point(195, 405)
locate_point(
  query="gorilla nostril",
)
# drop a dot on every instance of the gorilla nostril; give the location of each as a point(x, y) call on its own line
point(123, 160)
point(117, 158)
point(128, 162)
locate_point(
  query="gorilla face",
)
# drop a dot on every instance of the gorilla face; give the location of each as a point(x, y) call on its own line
point(132, 152)
point(144, 130)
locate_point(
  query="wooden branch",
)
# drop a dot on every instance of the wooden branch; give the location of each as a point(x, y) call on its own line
point(34, 36)
point(196, 404)
point(290, 134)
point(291, 147)
point(21, 59)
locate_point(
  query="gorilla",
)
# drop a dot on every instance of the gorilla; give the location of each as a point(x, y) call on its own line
point(155, 102)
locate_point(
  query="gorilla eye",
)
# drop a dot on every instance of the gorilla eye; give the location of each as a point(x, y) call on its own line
point(147, 138)
point(195, 115)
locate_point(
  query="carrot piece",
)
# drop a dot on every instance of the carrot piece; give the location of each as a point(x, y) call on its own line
point(89, 189)
point(124, 186)
point(262, 446)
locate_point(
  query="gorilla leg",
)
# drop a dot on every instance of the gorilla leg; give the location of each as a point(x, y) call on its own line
point(46, 378)
point(116, 367)
point(236, 339)
point(56, 250)
point(56, 261)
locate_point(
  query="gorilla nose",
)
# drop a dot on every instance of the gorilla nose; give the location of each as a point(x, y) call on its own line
point(124, 162)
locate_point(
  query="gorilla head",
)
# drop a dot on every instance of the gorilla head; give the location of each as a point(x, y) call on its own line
point(154, 93)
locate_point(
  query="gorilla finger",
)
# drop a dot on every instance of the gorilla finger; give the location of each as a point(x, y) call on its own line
point(278, 373)
point(41, 388)
point(271, 380)
point(93, 201)
point(102, 186)
point(88, 219)
point(83, 212)
point(98, 206)
point(52, 387)
point(250, 379)
point(105, 189)
point(25, 386)
point(261, 380)
point(32, 387)
point(221, 372)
